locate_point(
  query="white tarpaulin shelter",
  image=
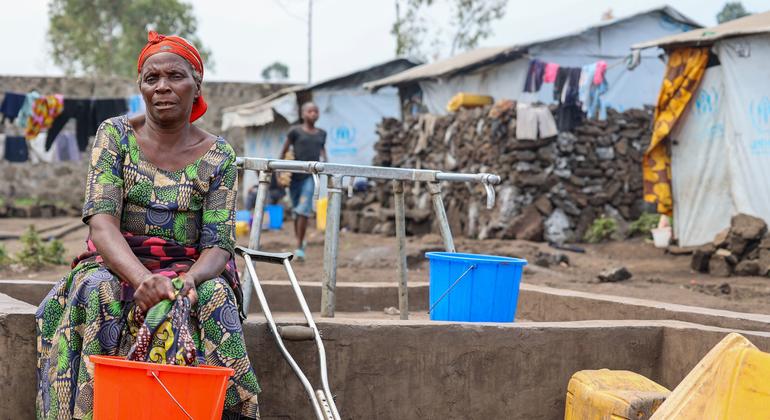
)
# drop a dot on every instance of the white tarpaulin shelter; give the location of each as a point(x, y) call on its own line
point(720, 153)
point(501, 72)
point(349, 114)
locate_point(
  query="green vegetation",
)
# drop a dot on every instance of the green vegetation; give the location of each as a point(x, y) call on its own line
point(602, 229)
point(36, 253)
point(4, 259)
point(643, 225)
point(731, 11)
point(103, 37)
point(470, 23)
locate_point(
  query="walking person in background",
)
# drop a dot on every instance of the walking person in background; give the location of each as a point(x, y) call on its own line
point(308, 143)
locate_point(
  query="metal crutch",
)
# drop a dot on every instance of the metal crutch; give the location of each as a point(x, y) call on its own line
point(321, 399)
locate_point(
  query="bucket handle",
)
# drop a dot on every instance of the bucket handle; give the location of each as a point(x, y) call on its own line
point(471, 267)
point(155, 375)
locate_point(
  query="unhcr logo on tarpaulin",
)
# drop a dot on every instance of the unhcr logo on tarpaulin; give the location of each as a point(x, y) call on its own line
point(759, 112)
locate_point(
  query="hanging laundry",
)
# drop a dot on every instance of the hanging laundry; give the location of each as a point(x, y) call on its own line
point(67, 147)
point(558, 84)
point(16, 149)
point(601, 68)
point(2, 147)
point(586, 81)
point(571, 91)
point(102, 109)
point(534, 76)
point(80, 110)
point(568, 115)
point(11, 105)
point(596, 107)
point(26, 109)
point(135, 105)
point(44, 111)
point(37, 152)
point(534, 121)
point(550, 72)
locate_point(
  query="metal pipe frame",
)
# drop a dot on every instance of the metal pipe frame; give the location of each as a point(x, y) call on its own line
point(443, 223)
point(335, 173)
point(331, 246)
point(403, 289)
point(374, 172)
point(256, 229)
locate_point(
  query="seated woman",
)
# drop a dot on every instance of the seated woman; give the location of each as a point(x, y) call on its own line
point(160, 205)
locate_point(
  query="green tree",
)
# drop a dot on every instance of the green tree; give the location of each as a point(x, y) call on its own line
point(730, 11)
point(104, 37)
point(470, 23)
point(276, 71)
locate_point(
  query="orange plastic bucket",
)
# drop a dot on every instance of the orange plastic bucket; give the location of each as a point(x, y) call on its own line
point(125, 389)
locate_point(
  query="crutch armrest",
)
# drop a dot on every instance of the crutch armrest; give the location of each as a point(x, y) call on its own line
point(261, 256)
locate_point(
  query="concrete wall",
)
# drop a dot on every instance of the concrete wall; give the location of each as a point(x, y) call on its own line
point(539, 303)
point(17, 359)
point(432, 370)
point(63, 183)
point(536, 303)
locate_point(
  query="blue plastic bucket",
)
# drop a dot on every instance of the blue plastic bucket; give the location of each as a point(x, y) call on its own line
point(275, 216)
point(242, 216)
point(474, 288)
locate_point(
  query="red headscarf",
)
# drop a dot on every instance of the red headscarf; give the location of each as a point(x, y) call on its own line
point(157, 43)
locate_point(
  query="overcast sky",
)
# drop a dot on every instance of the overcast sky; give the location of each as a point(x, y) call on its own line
point(247, 35)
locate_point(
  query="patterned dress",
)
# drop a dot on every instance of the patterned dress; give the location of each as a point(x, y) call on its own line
point(167, 218)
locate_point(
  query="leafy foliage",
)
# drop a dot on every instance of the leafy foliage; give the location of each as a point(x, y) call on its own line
point(602, 229)
point(470, 23)
point(276, 71)
point(643, 225)
point(37, 253)
point(731, 11)
point(104, 37)
point(4, 259)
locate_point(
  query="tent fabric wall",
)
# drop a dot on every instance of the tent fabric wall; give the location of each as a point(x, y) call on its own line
point(627, 89)
point(350, 118)
point(719, 165)
point(700, 177)
point(747, 86)
point(263, 142)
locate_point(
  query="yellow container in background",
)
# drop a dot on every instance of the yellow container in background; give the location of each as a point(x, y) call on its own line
point(241, 228)
point(731, 382)
point(466, 100)
point(612, 394)
point(320, 213)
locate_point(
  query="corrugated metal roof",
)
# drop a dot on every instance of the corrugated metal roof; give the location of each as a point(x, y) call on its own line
point(262, 111)
point(458, 62)
point(474, 59)
point(754, 24)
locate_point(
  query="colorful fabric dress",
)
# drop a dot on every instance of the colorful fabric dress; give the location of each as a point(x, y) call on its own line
point(167, 219)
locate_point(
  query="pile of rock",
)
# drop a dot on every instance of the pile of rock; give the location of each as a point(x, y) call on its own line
point(743, 249)
point(551, 189)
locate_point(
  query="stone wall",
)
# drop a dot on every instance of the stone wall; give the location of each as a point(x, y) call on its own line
point(44, 189)
point(552, 188)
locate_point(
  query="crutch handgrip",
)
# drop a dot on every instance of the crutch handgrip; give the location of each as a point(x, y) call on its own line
point(296, 333)
point(268, 257)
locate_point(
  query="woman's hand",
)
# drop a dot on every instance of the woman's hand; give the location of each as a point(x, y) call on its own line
point(153, 289)
point(189, 289)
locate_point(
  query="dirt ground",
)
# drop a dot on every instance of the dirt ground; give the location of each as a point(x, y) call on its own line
point(371, 258)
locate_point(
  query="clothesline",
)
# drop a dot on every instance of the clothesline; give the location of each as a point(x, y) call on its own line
point(40, 119)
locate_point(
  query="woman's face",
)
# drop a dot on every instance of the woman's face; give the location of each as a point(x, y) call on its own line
point(168, 87)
